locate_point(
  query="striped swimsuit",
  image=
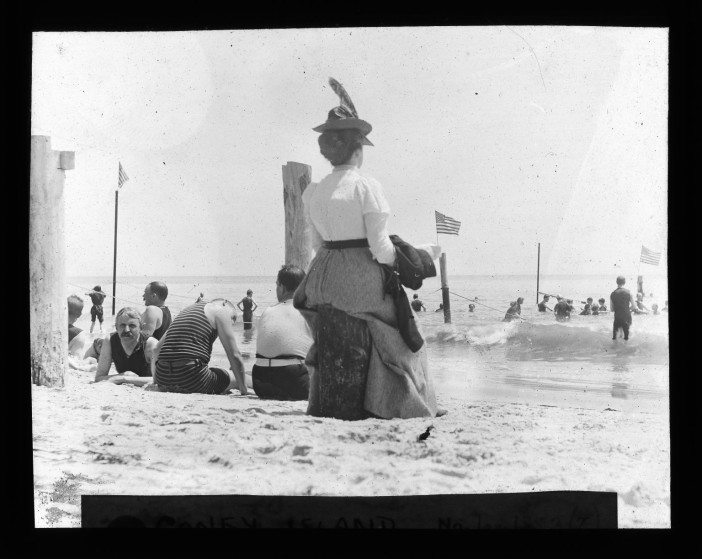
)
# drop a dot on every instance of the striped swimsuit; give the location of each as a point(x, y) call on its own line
point(182, 364)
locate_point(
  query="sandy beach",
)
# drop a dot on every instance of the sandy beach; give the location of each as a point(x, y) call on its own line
point(121, 440)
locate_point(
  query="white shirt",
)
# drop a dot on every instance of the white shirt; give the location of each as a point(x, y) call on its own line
point(282, 330)
point(79, 345)
point(348, 205)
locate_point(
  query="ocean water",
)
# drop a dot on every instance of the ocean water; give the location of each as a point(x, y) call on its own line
point(477, 356)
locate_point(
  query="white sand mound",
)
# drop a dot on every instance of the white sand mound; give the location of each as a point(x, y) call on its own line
point(108, 439)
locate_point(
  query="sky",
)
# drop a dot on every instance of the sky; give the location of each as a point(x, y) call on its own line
point(526, 135)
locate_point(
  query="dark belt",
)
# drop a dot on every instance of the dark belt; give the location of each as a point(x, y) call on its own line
point(349, 243)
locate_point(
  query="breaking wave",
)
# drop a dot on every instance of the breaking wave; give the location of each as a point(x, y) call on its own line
point(553, 342)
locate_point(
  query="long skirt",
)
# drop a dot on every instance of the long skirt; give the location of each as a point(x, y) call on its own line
point(399, 384)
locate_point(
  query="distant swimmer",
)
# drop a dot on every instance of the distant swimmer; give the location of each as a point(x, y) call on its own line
point(201, 297)
point(157, 316)
point(97, 297)
point(514, 311)
point(640, 308)
point(603, 307)
point(417, 305)
point(654, 308)
point(471, 307)
point(571, 308)
point(542, 304)
point(248, 308)
point(622, 303)
point(587, 309)
point(561, 309)
point(441, 308)
point(665, 309)
point(594, 308)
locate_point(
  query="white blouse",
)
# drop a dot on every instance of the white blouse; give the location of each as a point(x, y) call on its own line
point(348, 205)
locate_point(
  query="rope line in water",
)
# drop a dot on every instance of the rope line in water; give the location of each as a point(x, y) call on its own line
point(188, 297)
point(489, 307)
point(130, 301)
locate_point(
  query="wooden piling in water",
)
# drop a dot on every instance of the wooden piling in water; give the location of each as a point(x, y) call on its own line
point(48, 314)
point(296, 178)
point(445, 289)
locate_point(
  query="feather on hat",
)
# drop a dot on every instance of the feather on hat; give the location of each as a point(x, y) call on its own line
point(345, 115)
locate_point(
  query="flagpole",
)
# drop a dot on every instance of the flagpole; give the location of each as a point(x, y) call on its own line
point(435, 228)
point(114, 260)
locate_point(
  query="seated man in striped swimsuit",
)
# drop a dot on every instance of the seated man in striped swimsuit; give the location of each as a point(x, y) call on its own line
point(130, 349)
point(183, 354)
point(283, 340)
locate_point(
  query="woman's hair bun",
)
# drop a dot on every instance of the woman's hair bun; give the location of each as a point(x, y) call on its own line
point(339, 145)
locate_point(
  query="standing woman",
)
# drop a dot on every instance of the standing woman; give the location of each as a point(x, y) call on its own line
point(249, 306)
point(348, 213)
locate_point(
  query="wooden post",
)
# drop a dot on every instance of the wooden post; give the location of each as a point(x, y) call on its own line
point(445, 289)
point(296, 177)
point(538, 263)
point(48, 314)
point(343, 355)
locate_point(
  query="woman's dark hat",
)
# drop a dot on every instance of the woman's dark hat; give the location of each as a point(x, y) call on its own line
point(344, 116)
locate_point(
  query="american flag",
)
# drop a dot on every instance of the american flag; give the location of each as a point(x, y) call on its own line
point(446, 224)
point(122, 177)
point(649, 256)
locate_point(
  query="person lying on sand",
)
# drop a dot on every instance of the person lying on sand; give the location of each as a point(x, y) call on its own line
point(130, 349)
point(182, 356)
point(284, 338)
point(78, 340)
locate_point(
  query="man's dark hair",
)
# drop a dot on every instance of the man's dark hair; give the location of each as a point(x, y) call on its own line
point(290, 276)
point(338, 145)
point(415, 296)
point(621, 280)
point(159, 289)
point(601, 300)
point(589, 299)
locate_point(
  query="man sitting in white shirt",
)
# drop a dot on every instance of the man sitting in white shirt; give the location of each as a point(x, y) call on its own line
point(79, 341)
point(283, 340)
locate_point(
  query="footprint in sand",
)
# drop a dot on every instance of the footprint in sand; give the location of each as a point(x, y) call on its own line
point(301, 450)
point(450, 473)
